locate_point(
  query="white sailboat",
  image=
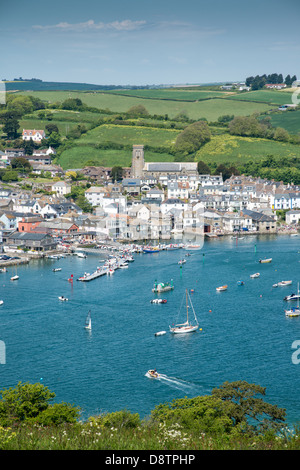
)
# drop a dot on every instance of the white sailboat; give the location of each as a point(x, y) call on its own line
point(186, 327)
point(88, 321)
point(294, 311)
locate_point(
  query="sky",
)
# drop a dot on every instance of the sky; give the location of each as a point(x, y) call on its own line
point(148, 42)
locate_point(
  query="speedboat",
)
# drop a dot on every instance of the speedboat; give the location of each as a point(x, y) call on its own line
point(221, 288)
point(292, 297)
point(158, 301)
point(255, 275)
point(152, 374)
point(284, 283)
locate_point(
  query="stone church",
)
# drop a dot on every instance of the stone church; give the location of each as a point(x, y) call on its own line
point(141, 169)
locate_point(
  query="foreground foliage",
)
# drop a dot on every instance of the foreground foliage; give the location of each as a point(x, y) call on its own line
point(233, 417)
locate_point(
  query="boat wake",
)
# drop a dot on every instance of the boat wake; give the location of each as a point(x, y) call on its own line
point(177, 383)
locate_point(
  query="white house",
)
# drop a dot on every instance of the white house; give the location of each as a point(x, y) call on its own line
point(43, 152)
point(95, 195)
point(61, 188)
point(33, 134)
point(26, 207)
point(292, 217)
point(178, 189)
point(169, 204)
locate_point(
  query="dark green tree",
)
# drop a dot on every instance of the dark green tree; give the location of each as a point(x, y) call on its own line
point(192, 137)
point(116, 173)
point(247, 409)
point(203, 168)
point(10, 122)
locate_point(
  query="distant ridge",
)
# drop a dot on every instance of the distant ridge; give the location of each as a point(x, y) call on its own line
point(39, 85)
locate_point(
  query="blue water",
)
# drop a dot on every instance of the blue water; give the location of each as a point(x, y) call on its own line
point(245, 334)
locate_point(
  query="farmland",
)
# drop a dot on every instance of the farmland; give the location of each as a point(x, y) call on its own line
point(80, 156)
point(289, 120)
point(109, 126)
point(130, 135)
point(210, 109)
point(234, 149)
point(265, 96)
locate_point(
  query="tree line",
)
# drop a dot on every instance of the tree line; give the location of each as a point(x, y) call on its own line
point(259, 81)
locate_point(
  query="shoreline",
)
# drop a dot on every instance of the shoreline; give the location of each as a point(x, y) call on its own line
point(25, 258)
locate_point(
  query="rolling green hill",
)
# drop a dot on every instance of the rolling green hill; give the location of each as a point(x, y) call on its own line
point(196, 103)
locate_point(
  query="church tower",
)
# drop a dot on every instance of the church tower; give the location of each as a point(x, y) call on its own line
point(138, 161)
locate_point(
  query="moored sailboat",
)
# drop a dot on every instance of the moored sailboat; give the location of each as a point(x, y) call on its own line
point(294, 311)
point(187, 326)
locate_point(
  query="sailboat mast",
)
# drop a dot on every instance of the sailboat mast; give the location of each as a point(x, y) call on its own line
point(187, 306)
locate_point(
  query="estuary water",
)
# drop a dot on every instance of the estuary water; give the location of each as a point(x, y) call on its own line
point(243, 332)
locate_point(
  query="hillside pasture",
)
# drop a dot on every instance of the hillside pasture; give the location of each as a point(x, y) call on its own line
point(272, 97)
point(289, 120)
point(234, 149)
point(210, 109)
point(130, 135)
point(79, 156)
point(187, 94)
point(63, 126)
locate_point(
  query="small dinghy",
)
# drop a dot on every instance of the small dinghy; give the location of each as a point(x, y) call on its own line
point(160, 333)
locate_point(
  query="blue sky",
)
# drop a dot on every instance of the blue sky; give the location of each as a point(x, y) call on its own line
point(141, 42)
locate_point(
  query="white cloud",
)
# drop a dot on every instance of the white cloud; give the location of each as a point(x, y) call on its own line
point(90, 25)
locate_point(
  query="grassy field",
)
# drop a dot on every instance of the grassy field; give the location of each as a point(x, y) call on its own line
point(63, 126)
point(289, 120)
point(187, 94)
point(130, 135)
point(234, 149)
point(77, 157)
point(210, 109)
point(265, 96)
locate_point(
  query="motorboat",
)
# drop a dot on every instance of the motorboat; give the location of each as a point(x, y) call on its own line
point(3, 270)
point(221, 288)
point(240, 283)
point(284, 283)
point(192, 247)
point(1, 302)
point(62, 298)
point(255, 275)
point(182, 261)
point(292, 297)
point(14, 278)
point(158, 301)
point(152, 374)
point(266, 260)
point(56, 269)
point(163, 286)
